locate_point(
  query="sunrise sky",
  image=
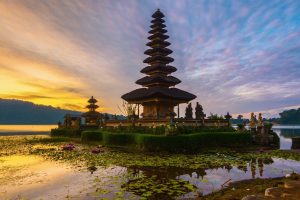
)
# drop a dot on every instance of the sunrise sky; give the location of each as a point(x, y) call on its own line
point(236, 56)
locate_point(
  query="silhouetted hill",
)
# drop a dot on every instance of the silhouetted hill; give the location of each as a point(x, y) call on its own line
point(23, 112)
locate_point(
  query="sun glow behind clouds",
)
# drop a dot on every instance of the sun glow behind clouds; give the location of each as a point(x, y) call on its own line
point(235, 56)
point(27, 79)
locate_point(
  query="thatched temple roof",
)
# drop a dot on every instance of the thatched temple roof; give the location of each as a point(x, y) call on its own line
point(163, 93)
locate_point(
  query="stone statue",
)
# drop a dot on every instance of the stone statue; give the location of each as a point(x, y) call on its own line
point(228, 116)
point(260, 121)
point(260, 129)
point(252, 121)
point(189, 112)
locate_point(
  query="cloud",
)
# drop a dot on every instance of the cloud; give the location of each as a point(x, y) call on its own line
point(235, 55)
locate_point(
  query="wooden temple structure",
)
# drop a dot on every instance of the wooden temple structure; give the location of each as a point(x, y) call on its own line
point(158, 94)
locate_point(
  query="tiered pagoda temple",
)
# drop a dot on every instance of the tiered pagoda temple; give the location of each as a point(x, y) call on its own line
point(92, 116)
point(158, 96)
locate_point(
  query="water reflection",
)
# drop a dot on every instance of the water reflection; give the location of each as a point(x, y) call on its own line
point(32, 177)
point(215, 178)
point(210, 180)
point(285, 134)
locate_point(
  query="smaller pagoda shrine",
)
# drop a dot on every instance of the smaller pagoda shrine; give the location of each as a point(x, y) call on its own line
point(92, 117)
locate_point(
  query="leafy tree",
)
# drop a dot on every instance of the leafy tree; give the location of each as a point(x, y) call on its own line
point(290, 116)
point(215, 116)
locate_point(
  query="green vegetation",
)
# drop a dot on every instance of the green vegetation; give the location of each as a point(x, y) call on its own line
point(160, 130)
point(215, 116)
point(189, 143)
point(156, 187)
point(290, 116)
point(92, 135)
point(192, 143)
point(187, 139)
point(50, 147)
point(65, 132)
point(118, 139)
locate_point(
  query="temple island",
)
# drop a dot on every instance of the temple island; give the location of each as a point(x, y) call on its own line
point(159, 97)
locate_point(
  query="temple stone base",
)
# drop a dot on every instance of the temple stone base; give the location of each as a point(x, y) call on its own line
point(157, 110)
point(164, 122)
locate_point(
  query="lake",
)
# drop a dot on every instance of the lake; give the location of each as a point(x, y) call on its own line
point(25, 129)
point(34, 177)
point(285, 133)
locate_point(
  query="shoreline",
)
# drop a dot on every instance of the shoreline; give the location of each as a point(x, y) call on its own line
point(24, 133)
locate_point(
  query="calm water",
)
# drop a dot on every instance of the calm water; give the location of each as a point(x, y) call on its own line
point(285, 134)
point(25, 129)
point(32, 177)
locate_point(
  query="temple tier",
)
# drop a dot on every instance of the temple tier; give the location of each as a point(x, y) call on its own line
point(156, 96)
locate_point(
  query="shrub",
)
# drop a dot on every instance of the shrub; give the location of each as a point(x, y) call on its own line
point(161, 143)
point(92, 135)
point(36, 140)
point(158, 130)
point(193, 142)
point(190, 129)
point(118, 138)
point(65, 132)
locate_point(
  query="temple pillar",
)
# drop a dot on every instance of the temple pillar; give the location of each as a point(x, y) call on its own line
point(157, 111)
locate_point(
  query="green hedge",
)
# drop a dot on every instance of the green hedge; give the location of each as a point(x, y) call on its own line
point(158, 130)
point(65, 132)
point(118, 138)
point(92, 135)
point(180, 143)
point(192, 142)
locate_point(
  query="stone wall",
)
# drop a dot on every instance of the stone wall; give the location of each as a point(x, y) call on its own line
point(179, 122)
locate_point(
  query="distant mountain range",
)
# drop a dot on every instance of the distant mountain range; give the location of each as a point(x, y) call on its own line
point(24, 112)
